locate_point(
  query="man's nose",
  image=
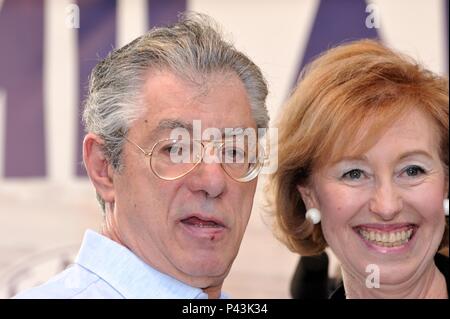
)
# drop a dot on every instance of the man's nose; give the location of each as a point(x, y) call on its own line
point(209, 178)
point(385, 201)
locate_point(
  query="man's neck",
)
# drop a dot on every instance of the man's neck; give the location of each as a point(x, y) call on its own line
point(431, 285)
point(213, 292)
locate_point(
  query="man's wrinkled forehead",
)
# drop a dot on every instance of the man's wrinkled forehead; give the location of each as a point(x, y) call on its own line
point(166, 126)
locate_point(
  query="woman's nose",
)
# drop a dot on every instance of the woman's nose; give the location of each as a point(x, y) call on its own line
point(385, 201)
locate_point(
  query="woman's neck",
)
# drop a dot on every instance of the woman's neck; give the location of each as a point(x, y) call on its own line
point(431, 285)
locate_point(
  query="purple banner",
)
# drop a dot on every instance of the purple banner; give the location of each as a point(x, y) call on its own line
point(21, 75)
point(164, 12)
point(336, 22)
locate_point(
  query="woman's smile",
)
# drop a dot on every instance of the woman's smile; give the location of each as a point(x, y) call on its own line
point(387, 238)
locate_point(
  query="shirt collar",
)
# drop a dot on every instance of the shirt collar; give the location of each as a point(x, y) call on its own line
point(128, 274)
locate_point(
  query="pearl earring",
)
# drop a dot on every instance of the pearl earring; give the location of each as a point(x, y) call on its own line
point(446, 207)
point(313, 214)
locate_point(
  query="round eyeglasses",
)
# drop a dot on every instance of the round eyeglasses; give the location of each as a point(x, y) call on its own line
point(171, 159)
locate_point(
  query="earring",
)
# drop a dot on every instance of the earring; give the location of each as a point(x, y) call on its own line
point(313, 214)
point(446, 207)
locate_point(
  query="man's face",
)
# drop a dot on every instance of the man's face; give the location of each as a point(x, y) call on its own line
point(190, 228)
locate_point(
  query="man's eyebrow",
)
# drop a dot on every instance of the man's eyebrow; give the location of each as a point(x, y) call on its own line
point(170, 124)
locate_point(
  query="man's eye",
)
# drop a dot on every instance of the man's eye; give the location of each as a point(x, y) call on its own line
point(170, 149)
point(234, 154)
point(414, 170)
point(354, 174)
point(174, 149)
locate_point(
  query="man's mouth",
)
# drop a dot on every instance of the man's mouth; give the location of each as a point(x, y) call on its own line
point(390, 236)
point(202, 223)
point(203, 227)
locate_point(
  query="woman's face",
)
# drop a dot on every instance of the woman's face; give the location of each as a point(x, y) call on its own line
point(385, 208)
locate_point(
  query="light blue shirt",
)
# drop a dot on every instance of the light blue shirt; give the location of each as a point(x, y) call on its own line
point(106, 269)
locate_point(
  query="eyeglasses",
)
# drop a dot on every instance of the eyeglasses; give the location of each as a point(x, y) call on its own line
point(171, 159)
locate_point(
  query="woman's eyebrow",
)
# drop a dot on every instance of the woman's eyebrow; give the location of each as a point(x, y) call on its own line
point(415, 153)
point(361, 158)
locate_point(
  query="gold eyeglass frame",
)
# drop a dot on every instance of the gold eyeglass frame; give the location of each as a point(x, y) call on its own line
point(248, 177)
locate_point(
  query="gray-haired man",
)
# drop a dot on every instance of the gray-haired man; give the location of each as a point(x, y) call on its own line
point(172, 228)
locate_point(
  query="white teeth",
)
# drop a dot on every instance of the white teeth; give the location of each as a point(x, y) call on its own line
point(201, 225)
point(392, 237)
point(387, 239)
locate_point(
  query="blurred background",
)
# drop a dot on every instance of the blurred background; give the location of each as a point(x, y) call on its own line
point(47, 49)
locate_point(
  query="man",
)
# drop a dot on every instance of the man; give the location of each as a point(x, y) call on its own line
point(172, 228)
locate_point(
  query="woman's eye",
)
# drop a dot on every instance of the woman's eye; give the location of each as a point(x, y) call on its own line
point(414, 170)
point(354, 174)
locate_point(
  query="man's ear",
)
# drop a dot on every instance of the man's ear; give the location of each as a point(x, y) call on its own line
point(97, 167)
point(308, 197)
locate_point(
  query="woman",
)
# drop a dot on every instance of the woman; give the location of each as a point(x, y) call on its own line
point(363, 169)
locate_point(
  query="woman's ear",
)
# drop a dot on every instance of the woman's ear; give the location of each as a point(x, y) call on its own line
point(307, 194)
point(98, 169)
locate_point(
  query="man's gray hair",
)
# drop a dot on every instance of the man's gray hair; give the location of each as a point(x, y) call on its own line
point(191, 48)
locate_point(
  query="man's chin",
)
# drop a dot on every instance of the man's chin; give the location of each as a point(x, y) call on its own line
point(199, 269)
point(205, 272)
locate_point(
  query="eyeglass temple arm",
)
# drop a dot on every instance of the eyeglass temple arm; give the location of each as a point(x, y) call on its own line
point(140, 148)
